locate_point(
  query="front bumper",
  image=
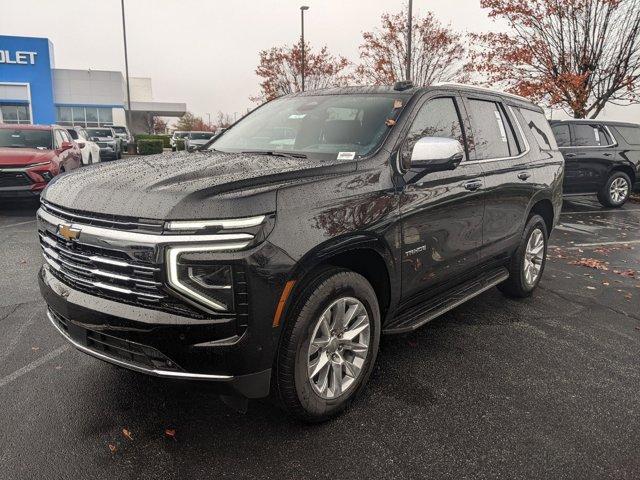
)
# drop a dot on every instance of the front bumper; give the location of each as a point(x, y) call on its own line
point(108, 153)
point(146, 341)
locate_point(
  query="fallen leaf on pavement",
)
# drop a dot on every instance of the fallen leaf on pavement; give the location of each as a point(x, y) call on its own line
point(591, 263)
point(127, 434)
point(591, 288)
point(112, 448)
point(170, 432)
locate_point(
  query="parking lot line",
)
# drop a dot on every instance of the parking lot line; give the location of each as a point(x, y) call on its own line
point(599, 244)
point(33, 365)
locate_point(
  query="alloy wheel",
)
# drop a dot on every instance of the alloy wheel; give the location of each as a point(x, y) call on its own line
point(338, 348)
point(533, 257)
point(619, 190)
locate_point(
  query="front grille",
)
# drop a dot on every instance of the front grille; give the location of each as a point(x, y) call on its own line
point(101, 269)
point(106, 221)
point(103, 144)
point(14, 179)
point(127, 351)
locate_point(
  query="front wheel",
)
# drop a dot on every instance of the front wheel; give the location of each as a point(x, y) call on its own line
point(615, 192)
point(328, 347)
point(527, 263)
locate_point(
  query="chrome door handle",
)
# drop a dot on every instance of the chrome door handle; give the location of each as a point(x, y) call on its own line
point(473, 185)
point(524, 176)
point(569, 155)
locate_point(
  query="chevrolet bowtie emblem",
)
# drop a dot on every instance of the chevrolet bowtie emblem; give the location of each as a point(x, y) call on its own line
point(68, 232)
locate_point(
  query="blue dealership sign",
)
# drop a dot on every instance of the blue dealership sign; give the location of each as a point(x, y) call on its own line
point(28, 61)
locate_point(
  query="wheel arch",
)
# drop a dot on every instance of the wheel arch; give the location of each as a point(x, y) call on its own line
point(628, 169)
point(544, 207)
point(364, 254)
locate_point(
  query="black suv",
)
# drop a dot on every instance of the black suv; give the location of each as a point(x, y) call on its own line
point(601, 158)
point(274, 259)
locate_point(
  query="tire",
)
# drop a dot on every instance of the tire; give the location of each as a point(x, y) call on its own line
point(616, 190)
point(89, 161)
point(119, 155)
point(304, 397)
point(520, 284)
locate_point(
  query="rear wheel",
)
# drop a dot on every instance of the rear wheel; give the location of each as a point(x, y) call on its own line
point(527, 263)
point(329, 346)
point(90, 160)
point(616, 191)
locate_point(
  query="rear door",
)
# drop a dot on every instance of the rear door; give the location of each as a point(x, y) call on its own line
point(441, 212)
point(588, 159)
point(500, 147)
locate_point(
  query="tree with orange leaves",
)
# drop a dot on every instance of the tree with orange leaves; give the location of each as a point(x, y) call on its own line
point(579, 55)
point(437, 52)
point(280, 69)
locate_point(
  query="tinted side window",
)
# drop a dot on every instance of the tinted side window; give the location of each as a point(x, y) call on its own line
point(490, 137)
point(590, 136)
point(58, 138)
point(540, 129)
point(436, 118)
point(73, 134)
point(561, 132)
point(631, 135)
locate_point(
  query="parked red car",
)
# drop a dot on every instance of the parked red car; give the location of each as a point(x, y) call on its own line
point(31, 155)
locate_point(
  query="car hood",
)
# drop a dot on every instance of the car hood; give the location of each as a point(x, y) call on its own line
point(23, 156)
point(184, 185)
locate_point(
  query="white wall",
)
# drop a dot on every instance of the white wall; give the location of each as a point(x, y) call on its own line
point(88, 87)
point(140, 89)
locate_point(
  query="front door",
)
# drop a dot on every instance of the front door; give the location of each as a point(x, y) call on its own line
point(441, 212)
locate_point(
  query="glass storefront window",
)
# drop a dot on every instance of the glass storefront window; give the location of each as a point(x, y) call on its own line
point(78, 115)
point(84, 116)
point(106, 116)
point(16, 114)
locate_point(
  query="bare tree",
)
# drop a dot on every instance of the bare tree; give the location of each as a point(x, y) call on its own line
point(579, 55)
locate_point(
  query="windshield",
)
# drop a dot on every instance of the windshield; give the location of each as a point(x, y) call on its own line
point(201, 136)
point(25, 138)
point(120, 129)
point(325, 126)
point(99, 132)
point(180, 134)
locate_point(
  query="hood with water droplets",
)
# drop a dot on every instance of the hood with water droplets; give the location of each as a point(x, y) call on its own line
point(186, 185)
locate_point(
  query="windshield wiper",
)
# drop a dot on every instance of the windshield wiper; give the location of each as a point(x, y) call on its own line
point(276, 154)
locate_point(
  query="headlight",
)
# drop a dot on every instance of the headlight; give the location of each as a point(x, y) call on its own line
point(192, 273)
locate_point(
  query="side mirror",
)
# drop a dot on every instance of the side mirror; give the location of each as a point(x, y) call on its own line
point(81, 144)
point(64, 146)
point(437, 153)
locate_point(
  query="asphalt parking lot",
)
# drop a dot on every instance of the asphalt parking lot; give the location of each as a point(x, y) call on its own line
point(546, 387)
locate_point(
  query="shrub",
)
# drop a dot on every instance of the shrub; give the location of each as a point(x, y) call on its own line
point(149, 147)
point(164, 138)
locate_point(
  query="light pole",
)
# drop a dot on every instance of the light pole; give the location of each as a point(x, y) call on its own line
point(302, 9)
point(131, 145)
point(409, 25)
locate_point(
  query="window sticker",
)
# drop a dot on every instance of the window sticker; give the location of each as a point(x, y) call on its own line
point(597, 134)
point(503, 132)
point(346, 155)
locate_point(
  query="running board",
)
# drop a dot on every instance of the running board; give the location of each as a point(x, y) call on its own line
point(415, 317)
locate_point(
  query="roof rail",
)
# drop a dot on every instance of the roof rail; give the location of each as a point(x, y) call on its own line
point(480, 89)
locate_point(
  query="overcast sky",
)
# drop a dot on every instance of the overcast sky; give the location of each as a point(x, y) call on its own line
point(204, 52)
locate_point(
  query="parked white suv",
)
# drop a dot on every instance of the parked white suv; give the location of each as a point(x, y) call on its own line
point(90, 150)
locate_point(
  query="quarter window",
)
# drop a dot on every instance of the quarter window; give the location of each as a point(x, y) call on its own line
point(540, 129)
point(436, 118)
point(493, 136)
point(561, 132)
point(631, 135)
point(585, 135)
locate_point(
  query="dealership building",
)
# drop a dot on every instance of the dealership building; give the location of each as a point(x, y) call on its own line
point(32, 90)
